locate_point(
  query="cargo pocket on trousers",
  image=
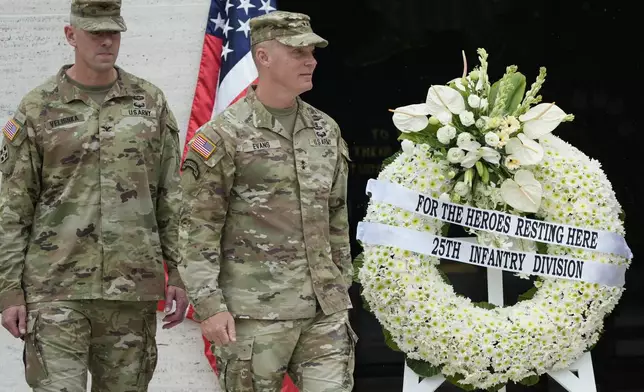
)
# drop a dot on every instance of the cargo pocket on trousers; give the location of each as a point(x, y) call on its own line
point(35, 368)
point(351, 360)
point(149, 356)
point(235, 366)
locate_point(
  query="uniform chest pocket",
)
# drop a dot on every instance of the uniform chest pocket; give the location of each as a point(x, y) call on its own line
point(263, 161)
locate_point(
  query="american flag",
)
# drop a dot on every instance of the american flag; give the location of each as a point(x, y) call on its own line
point(203, 146)
point(227, 67)
point(10, 129)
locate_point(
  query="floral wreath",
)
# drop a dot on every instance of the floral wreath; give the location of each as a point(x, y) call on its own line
point(488, 148)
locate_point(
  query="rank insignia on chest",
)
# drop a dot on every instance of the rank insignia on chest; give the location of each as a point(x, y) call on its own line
point(11, 129)
point(203, 146)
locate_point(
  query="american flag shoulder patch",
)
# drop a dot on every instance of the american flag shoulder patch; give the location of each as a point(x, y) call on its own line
point(11, 129)
point(203, 146)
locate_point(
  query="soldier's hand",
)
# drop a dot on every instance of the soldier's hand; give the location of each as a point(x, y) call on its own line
point(219, 329)
point(179, 296)
point(14, 319)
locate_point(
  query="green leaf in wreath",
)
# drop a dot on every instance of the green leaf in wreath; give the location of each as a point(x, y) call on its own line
point(506, 94)
point(530, 381)
point(422, 368)
point(365, 304)
point(426, 136)
point(455, 380)
point(495, 388)
point(494, 90)
point(389, 341)
point(387, 161)
point(484, 305)
point(528, 295)
point(357, 265)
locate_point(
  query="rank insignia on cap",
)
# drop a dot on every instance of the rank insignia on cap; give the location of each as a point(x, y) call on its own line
point(10, 129)
point(203, 146)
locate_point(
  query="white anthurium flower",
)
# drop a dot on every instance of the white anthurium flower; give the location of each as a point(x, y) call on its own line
point(523, 193)
point(458, 82)
point(527, 151)
point(541, 120)
point(408, 147)
point(444, 117)
point(444, 99)
point(411, 118)
point(486, 153)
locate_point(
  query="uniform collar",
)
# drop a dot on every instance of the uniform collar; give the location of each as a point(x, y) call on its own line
point(69, 92)
point(262, 118)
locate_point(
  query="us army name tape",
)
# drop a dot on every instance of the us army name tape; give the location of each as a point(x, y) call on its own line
point(496, 221)
point(513, 261)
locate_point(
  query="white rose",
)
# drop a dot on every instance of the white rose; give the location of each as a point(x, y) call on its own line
point(467, 118)
point(474, 101)
point(464, 138)
point(446, 133)
point(455, 155)
point(492, 139)
point(461, 189)
point(408, 146)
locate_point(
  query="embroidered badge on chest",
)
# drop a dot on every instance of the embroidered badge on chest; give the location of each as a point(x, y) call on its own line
point(323, 142)
point(139, 112)
point(252, 145)
point(65, 121)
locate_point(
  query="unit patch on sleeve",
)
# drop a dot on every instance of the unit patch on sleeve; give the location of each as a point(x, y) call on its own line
point(193, 166)
point(4, 154)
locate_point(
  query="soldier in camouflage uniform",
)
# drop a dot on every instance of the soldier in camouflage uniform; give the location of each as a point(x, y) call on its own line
point(88, 213)
point(264, 233)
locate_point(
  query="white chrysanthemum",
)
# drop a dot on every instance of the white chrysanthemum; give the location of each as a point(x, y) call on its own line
point(430, 322)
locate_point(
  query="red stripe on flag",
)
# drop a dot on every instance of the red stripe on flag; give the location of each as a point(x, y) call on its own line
point(207, 82)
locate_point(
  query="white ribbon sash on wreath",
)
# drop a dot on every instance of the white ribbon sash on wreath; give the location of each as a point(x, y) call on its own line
point(496, 221)
point(513, 261)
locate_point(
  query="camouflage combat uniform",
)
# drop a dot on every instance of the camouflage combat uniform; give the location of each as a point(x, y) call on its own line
point(264, 235)
point(88, 213)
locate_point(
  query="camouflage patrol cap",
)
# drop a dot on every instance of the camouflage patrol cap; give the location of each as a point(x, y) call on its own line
point(289, 28)
point(97, 15)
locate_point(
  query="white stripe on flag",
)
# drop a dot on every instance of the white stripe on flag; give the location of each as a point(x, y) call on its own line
point(240, 77)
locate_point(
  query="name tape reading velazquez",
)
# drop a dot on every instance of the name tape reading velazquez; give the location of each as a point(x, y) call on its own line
point(496, 221)
point(466, 252)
